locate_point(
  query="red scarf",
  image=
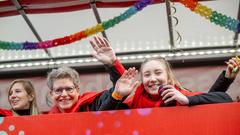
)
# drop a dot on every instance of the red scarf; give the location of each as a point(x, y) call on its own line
point(85, 99)
point(141, 98)
point(5, 112)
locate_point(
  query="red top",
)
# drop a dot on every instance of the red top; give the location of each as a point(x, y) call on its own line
point(141, 98)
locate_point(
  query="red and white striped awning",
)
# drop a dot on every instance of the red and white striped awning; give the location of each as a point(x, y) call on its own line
point(7, 7)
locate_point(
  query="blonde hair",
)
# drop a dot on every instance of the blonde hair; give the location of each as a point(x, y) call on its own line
point(171, 78)
point(28, 87)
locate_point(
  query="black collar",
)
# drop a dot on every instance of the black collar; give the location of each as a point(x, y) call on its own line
point(23, 112)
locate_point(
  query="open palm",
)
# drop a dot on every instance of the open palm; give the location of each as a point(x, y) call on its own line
point(126, 83)
point(103, 52)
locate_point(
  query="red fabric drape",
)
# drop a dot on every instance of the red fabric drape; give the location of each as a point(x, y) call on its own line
point(5, 112)
point(7, 8)
point(211, 119)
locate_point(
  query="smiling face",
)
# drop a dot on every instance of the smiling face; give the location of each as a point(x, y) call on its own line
point(19, 98)
point(65, 94)
point(154, 74)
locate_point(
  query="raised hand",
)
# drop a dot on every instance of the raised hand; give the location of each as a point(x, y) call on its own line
point(170, 94)
point(103, 51)
point(232, 68)
point(126, 83)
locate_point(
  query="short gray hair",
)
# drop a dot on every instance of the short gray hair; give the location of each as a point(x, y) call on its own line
point(61, 73)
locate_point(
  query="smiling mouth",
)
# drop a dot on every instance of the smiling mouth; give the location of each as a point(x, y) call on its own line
point(64, 100)
point(14, 102)
point(154, 86)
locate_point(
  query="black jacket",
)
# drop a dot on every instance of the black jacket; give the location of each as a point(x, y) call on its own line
point(221, 84)
point(103, 102)
point(209, 98)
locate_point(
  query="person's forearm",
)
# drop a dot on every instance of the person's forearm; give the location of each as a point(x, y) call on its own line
point(221, 84)
point(115, 71)
point(209, 98)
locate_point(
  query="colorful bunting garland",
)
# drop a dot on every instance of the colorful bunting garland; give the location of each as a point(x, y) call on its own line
point(193, 5)
point(76, 36)
point(213, 16)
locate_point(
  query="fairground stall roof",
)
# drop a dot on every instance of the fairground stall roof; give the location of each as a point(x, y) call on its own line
point(36, 34)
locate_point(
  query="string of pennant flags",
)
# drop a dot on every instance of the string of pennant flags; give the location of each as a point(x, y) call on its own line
point(214, 17)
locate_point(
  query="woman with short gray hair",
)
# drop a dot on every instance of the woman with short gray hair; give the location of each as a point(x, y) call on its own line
point(65, 92)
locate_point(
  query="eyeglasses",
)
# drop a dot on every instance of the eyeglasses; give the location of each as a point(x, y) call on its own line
point(59, 91)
